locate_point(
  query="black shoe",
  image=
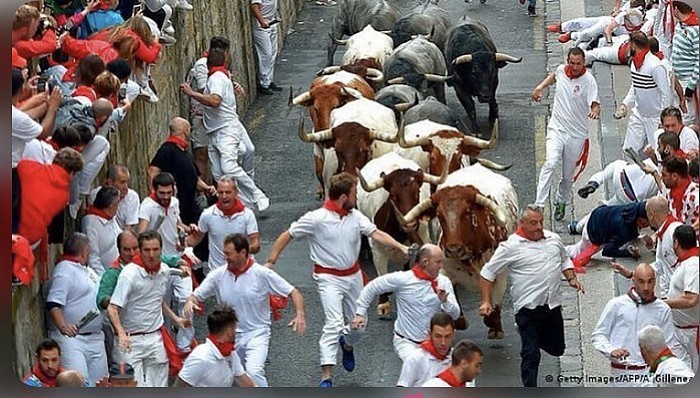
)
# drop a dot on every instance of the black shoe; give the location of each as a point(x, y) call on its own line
point(531, 12)
point(265, 91)
point(588, 189)
point(275, 87)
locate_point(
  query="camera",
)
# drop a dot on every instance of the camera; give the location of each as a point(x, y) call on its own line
point(45, 82)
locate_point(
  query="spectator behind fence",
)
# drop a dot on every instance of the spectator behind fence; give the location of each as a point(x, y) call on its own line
point(103, 17)
point(46, 367)
point(100, 225)
point(40, 32)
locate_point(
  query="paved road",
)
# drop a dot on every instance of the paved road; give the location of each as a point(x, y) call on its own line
point(285, 171)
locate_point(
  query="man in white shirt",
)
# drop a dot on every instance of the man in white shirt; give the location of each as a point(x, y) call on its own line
point(672, 120)
point(100, 225)
point(665, 368)
point(215, 363)
point(136, 311)
point(420, 294)
point(683, 294)
point(265, 41)
point(334, 233)
point(467, 358)
point(615, 336)
point(246, 286)
point(433, 355)
point(575, 101)
point(118, 176)
point(535, 260)
point(227, 217)
point(231, 152)
point(72, 295)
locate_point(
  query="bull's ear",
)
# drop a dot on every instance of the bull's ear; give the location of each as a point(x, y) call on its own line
point(501, 64)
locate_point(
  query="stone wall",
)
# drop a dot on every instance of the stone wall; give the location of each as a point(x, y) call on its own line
point(146, 125)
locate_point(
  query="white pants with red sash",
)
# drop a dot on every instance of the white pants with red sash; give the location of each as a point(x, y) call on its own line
point(640, 131)
point(563, 151)
point(689, 338)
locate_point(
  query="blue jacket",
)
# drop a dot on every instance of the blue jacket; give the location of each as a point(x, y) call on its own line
point(614, 226)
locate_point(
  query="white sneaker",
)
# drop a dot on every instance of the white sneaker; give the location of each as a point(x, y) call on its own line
point(169, 30)
point(263, 204)
point(184, 5)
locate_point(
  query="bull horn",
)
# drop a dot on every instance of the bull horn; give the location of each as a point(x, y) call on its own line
point(431, 34)
point(463, 59)
point(299, 99)
point(483, 144)
point(489, 164)
point(492, 206)
point(386, 32)
point(436, 78)
point(396, 80)
point(404, 106)
point(507, 58)
point(375, 75)
point(337, 41)
point(435, 180)
point(351, 92)
point(411, 143)
point(318, 136)
point(415, 212)
point(385, 137)
point(328, 71)
point(369, 187)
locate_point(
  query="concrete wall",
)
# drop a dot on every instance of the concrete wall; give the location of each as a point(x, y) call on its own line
point(146, 126)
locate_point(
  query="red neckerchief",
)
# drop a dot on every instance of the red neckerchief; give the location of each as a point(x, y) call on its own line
point(521, 232)
point(52, 143)
point(692, 252)
point(164, 205)
point(659, 55)
point(663, 355)
point(681, 153)
point(246, 267)
point(571, 75)
point(632, 293)
point(139, 261)
point(85, 91)
point(677, 193)
point(44, 379)
point(430, 347)
point(638, 58)
point(692, 19)
point(332, 206)
point(669, 220)
point(632, 28)
point(237, 207)
point(422, 275)
point(221, 69)
point(226, 349)
point(182, 144)
point(448, 377)
point(94, 211)
point(72, 259)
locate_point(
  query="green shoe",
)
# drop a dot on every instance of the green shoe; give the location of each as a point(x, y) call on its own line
point(560, 211)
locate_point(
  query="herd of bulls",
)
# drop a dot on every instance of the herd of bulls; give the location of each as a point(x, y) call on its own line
point(382, 115)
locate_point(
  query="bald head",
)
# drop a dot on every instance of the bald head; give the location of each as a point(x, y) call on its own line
point(644, 270)
point(645, 281)
point(102, 108)
point(430, 259)
point(70, 378)
point(179, 126)
point(657, 211)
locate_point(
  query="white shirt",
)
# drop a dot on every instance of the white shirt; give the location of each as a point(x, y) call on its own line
point(207, 367)
point(74, 287)
point(534, 269)
point(334, 242)
point(225, 114)
point(128, 211)
point(24, 129)
point(197, 78)
point(688, 138)
point(416, 302)
point(650, 91)
point(643, 184)
point(665, 258)
point(268, 8)
point(39, 151)
point(218, 226)
point(419, 367)
point(140, 298)
point(151, 211)
point(572, 103)
point(248, 294)
point(620, 322)
point(685, 279)
point(672, 372)
point(103, 241)
point(438, 382)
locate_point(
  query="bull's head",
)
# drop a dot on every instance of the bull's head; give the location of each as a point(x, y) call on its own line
point(467, 219)
point(480, 69)
point(322, 99)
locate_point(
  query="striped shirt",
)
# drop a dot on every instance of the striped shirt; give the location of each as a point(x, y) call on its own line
point(685, 56)
point(650, 91)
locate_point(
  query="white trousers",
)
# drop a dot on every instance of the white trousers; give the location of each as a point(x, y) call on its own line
point(640, 131)
point(691, 117)
point(635, 378)
point(252, 349)
point(591, 32)
point(148, 358)
point(86, 354)
point(94, 154)
point(562, 151)
point(608, 177)
point(604, 54)
point(265, 41)
point(339, 296)
point(178, 290)
point(404, 347)
point(230, 153)
point(583, 244)
point(578, 24)
point(688, 339)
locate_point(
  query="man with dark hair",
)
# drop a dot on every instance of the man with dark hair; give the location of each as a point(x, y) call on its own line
point(231, 152)
point(575, 101)
point(672, 121)
point(136, 311)
point(334, 232)
point(43, 151)
point(420, 293)
point(216, 363)
point(100, 225)
point(681, 193)
point(434, 354)
point(467, 358)
point(245, 285)
point(71, 298)
point(648, 95)
point(46, 367)
point(118, 176)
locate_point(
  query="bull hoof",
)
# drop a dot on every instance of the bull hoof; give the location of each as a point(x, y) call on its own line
point(384, 311)
point(495, 334)
point(461, 323)
point(320, 193)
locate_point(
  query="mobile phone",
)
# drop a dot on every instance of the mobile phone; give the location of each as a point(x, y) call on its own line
point(121, 95)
